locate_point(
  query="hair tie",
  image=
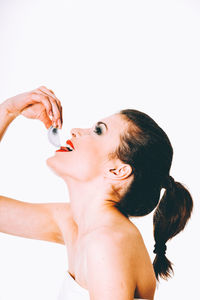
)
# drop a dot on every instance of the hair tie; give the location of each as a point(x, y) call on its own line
point(160, 249)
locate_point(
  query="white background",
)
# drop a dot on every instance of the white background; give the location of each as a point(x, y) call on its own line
point(98, 57)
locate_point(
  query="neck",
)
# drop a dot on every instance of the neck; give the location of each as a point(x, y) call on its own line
point(89, 204)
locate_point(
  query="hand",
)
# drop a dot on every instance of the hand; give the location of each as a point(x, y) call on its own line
point(40, 104)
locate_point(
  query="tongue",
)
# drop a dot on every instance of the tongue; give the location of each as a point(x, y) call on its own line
point(64, 148)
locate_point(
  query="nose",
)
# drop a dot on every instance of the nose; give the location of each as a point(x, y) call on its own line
point(74, 132)
point(77, 132)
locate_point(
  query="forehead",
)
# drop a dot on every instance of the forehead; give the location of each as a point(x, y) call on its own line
point(116, 126)
point(115, 121)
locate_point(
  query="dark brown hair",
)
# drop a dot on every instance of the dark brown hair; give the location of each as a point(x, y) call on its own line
point(147, 149)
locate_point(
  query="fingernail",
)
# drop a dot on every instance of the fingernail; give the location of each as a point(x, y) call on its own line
point(59, 124)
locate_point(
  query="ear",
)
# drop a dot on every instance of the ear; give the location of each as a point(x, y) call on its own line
point(122, 172)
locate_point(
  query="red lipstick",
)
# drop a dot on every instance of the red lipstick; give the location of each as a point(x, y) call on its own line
point(70, 143)
point(63, 149)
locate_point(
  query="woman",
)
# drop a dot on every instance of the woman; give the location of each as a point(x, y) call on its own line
point(116, 170)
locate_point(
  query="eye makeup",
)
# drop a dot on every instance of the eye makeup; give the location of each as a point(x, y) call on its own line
point(99, 123)
point(98, 129)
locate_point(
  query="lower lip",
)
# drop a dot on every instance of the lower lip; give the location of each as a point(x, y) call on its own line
point(61, 151)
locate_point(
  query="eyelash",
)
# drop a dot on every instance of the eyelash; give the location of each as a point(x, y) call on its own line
point(97, 128)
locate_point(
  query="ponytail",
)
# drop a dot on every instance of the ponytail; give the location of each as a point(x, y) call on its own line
point(147, 149)
point(170, 217)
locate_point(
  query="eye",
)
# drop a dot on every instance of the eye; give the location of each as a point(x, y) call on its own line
point(98, 130)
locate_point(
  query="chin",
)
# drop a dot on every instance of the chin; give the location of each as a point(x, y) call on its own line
point(51, 163)
point(56, 166)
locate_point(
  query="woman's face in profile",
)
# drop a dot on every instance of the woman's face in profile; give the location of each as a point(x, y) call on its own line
point(92, 147)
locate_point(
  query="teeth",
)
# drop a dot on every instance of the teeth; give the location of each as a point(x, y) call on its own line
point(69, 147)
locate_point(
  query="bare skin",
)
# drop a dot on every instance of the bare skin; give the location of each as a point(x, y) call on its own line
point(89, 175)
point(127, 233)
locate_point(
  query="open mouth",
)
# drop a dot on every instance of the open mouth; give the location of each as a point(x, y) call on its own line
point(64, 149)
point(68, 148)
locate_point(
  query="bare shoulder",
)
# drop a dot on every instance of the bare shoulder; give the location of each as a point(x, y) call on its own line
point(110, 269)
point(125, 239)
point(121, 258)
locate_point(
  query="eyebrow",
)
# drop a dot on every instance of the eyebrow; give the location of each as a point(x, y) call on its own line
point(99, 123)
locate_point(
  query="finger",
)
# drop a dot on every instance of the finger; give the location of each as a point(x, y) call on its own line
point(43, 88)
point(54, 107)
point(40, 98)
point(61, 116)
point(51, 94)
point(44, 99)
point(45, 119)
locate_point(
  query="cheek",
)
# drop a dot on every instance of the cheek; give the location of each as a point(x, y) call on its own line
point(87, 164)
point(81, 165)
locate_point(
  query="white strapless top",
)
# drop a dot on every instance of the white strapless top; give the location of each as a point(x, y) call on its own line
point(71, 290)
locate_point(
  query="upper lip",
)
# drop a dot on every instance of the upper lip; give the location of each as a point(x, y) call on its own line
point(70, 143)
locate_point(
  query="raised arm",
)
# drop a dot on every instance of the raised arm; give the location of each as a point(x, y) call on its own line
point(5, 119)
point(42, 221)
